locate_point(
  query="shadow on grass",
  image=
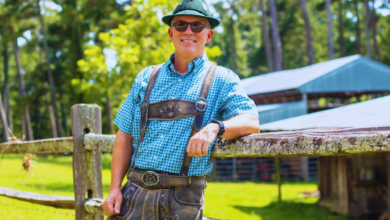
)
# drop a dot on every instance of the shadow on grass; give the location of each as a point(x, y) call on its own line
point(290, 210)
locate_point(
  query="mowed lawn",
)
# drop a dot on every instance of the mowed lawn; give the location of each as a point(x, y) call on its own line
point(238, 201)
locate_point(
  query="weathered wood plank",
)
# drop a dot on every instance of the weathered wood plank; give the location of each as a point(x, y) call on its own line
point(64, 202)
point(314, 142)
point(45, 146)
point(99, 142)
point(87, 165)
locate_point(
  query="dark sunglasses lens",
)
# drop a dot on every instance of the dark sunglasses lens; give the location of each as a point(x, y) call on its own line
point(181, 26)
point(196, 27)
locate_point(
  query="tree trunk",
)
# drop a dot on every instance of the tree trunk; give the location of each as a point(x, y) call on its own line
point(30, 136)
point(50, 75)
point(368, 48)
point(265, 30)
point(310, 51)
point(4, 122)
point(341, 40)
point(275, 36)
point(233, 43)
point(358, 40)
point(109, 115)
point(63, 115)
point(374, 20)
point(49, 106)
point(330, 28)
point(7, 106)
point(51, 115)
point(26, 123)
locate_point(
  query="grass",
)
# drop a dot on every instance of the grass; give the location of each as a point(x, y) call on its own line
point(238, 201)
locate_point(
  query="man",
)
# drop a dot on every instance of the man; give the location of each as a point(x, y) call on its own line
point(169, 122)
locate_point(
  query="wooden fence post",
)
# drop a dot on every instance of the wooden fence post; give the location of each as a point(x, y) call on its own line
point(87, 165)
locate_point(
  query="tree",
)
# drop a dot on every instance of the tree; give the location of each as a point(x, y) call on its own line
point(267, 42)
point(358, 38)
point(275, 36)
point(26, 121)
point(341, 35)
point(374, 19)
point(310, 51)
point(49, 106)
point(50, 75)
point(368, 16)
point(237, 36)
point(233, 38)
point(6, 100)
point(330, 27)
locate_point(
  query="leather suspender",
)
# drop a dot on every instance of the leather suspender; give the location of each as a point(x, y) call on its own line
point(144, 108)
point(200, 108)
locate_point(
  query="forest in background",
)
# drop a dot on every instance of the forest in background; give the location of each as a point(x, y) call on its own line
point(57, 53)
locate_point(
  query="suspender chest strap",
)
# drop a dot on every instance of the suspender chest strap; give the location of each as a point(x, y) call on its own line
point(201, 106)
point(173, 109)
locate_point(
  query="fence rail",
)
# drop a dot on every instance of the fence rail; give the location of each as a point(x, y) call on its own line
point(314, 142)
point(87, 143)
point(64, 202)
point(45, 146)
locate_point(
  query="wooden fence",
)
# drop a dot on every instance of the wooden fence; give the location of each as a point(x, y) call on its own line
point(87, 144)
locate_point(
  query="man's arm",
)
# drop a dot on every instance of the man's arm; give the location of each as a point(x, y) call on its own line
point(121, 156)
point(237, 126)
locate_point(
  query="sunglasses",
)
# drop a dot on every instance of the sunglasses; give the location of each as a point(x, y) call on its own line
point(196, 26)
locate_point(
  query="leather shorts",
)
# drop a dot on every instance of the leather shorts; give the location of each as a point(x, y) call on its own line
point(141, 202)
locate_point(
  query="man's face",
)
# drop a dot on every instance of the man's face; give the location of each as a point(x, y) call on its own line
point(189, 43)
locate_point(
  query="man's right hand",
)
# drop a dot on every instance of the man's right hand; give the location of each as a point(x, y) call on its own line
point(112, 204)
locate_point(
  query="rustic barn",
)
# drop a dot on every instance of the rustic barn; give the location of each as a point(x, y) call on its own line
point(349, 185)
point(290, 93)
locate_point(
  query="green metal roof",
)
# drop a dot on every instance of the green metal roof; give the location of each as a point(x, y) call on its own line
point(348, 74)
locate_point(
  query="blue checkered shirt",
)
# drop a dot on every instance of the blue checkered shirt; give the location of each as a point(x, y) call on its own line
point(165, 142)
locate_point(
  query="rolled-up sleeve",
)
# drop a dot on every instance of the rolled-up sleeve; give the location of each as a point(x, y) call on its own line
point(234, 99)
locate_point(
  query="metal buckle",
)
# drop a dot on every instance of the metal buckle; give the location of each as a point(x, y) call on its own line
point(200, 108)
point(150, 178)
point(144, 106)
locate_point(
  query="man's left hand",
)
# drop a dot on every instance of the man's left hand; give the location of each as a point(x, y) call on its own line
point(199, 143)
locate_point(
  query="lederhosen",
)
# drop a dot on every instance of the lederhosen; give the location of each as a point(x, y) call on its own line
point(150, 195)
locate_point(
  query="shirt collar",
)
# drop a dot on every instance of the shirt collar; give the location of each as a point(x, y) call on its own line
point(191, 65)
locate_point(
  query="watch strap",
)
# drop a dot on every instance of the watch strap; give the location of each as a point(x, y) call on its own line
point(221, 127)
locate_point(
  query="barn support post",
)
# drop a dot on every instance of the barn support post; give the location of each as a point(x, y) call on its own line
point(234, 168)
point(278, 178)
point(388, 185)
point(87, 165)
point(305, 168)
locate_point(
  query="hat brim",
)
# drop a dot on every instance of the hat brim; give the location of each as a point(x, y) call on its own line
point(168, 19)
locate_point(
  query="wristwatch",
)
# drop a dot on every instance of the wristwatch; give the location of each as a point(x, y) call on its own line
point(221, 127)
